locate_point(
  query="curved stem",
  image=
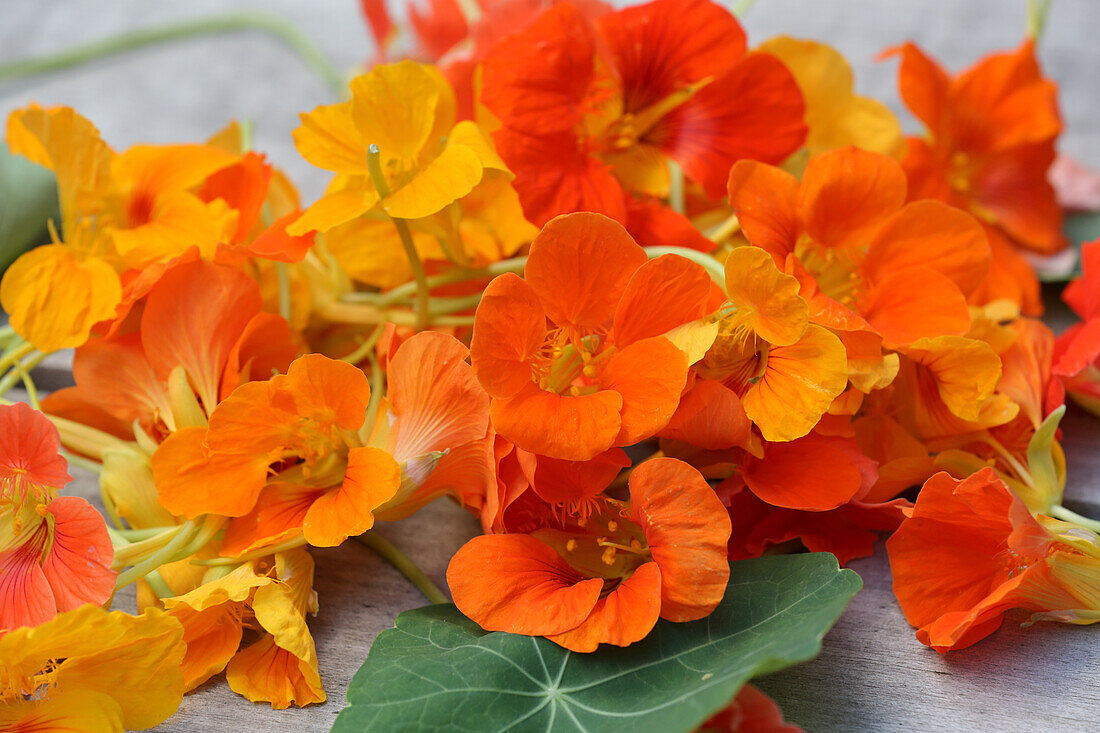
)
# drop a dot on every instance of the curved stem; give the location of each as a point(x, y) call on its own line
point(158, 558)
point(423, 294)
point(1037, 17)
point(262, 552)
point(401, 561)
point(1060, 512)
point(274, 25)
point(401, 292)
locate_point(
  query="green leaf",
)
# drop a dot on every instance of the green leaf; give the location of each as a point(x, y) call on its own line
point(439, 671)
point(28, 198)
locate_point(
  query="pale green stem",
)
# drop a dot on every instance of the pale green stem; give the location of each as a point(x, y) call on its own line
point(160, 557)
point(423, 294)
point(158, 584)
point(743, 7)
point(1060, 512)
point(401, 561)
point(712, 266)
point(274, 25)
point(675, 186)
point(86, 464)
point(377, 388)
point(366, 347)
point(1037, 17)
point(1021, 471)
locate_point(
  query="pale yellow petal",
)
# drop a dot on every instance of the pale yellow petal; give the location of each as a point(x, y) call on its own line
point(445, 180)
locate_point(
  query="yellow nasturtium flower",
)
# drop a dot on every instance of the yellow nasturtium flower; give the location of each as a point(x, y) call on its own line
point(119, 211)
point(407, 111)
point(835, 114)
point(91, 670)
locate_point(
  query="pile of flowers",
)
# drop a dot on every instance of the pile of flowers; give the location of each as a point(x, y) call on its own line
point(642, 299)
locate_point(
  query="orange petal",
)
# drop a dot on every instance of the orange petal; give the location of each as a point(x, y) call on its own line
point(278, 515)
point(923, 85)
point(755, 110)
point(26, 598)
point(687, 529)
point(116, 375)
point(662, 294)
point(323, 389)
point(263, 672)
point(914, 304)
point(193, 317)
point(212, 635)
point(191, 481)
point(934, 235)
point(30, 450)
point(709, 416)
point(265, 347)
point(765, 200)
point(437, 400)
point(650, 375)
point(565, 427)
point(811, 473)
point(572, 482)
point(371, 480)
point(847, 194)
point(766, 300)
point(626, 615)
point(78, 566)
point(518, 584)
point(509, 331)
point(799, 383)
point(579, 267)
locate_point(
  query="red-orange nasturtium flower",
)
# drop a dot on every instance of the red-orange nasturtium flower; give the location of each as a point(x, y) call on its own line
point(591, 113)
point(55, 553)
point(1077, 350)
point(971, 550)
point(303, 426)
point(871, 263)
point(574, 354)
point(90, 670)
point(608, 578)
point(750, 711)
point(990, 141)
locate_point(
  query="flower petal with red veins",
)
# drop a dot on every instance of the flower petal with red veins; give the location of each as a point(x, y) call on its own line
point(78, 565)
point(30, 449)
point(372, 479)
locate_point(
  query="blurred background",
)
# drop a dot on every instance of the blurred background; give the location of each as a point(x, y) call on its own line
point(186, 90)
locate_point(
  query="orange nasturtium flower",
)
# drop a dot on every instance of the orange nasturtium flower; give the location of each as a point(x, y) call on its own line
point(1077, 351)
point(88, 669)
point(750, 711)
point(990, 141)
point(55, 553)
point(303, 427)
point(608, 578)
point(119, 211)
point(407, 111)
point(591, 114)
point(786, 370)
point(971, 550)
point(574, 354)
point(872, 264)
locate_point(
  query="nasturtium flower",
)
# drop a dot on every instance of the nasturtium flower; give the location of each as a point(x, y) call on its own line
point(608, 578)
point(750, 711)
point(1077, 350)
point(971, 550)
point(990, 139)
point(302, 427)
point(785, 370)
point(55, 553)
point(87, 669)
point(575, 354)
point(835, 115)
point(869, 258)
point(407, 111)
point(592, 112)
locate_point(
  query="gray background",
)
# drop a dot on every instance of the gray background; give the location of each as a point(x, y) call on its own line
point(872, 674)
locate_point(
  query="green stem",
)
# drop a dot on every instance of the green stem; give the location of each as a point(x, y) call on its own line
point(274, 25)
point(1060, 512)
point(712, 266)
point(158, 558)
point(401, 561)
point(675, 186)
point(401, 292)
point(1037, 17)
point(743, 7)
point(423, 295)
point(19, 371)
point(366, 347)
point(262, 552)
